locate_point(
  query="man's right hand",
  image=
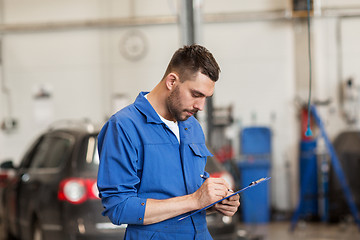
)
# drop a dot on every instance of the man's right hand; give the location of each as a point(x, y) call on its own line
point(212, 190)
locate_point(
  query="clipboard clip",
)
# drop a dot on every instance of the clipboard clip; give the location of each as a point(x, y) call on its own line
point(258, 181)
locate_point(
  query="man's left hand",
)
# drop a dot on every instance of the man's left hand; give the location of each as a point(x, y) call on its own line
point(229, 206)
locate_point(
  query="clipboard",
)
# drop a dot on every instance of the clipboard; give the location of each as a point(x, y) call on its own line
point(253, 184)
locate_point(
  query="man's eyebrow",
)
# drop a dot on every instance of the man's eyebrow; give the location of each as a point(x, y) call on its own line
point(196, 92)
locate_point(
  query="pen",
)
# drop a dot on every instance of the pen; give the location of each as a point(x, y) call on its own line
point(205, 177)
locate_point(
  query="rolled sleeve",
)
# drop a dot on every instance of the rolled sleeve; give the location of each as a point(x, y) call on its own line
point(131, 211)
point(117, 176)
point(136, 210)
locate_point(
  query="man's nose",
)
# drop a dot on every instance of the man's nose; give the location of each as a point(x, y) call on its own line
point(200, 104)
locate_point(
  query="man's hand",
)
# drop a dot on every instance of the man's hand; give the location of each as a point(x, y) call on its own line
point(229, 206)
point(212, 190)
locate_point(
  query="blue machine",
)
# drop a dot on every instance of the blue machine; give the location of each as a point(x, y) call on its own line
point(338, 171)
point(255, 141)
point(309, 192)
point(255, 147)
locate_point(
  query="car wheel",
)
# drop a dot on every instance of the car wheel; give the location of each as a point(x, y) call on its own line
point(37, 233)
point(4, 232)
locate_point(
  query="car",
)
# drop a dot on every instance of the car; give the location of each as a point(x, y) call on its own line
point(5, 174)
point(53, 192)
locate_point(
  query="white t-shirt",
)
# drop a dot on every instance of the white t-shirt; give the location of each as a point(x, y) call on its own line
point(174, 126)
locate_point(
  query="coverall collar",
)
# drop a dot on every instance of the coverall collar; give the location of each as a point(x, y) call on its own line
point(144, 106)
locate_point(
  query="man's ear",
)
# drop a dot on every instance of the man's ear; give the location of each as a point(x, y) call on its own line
point(171, 80)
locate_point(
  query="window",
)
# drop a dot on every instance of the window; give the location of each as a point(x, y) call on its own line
point(90, 155)
point(51, 152)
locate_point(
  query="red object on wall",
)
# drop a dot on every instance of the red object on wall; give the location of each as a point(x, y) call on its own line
point(224, 154)
point(304, 124)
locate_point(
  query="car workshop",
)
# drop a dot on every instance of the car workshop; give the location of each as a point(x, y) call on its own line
point(179, 119)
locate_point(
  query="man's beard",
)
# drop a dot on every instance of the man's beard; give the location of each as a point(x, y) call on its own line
point(175, 107)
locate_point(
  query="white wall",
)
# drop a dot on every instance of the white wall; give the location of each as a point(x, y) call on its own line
point(82, 67)
point(350, 32)
point(213, 6)
point(257, 78)
point(339, 4)
point(66, 62)
point(132, 76)
point(263, 66)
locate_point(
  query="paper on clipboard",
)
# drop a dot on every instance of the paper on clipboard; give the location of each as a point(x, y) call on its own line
point(253, 184)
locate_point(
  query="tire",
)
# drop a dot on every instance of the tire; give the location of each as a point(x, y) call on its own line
point(37, 233)
point(4, 231)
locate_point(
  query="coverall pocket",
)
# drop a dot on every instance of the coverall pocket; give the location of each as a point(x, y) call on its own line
point(178, 236)
point(154, 236)
point(162, 236)
point(200, 150)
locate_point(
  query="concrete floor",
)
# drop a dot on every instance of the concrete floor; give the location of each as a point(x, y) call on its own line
point(303, 231)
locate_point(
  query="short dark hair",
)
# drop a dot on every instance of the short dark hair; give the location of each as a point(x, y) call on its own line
point(190, 59)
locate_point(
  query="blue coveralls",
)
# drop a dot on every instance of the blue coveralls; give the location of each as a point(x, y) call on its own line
point(141, 158)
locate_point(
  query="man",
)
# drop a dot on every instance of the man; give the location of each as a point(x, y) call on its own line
point(153, 153)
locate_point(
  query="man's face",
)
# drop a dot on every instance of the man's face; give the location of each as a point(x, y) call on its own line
point(189, 97)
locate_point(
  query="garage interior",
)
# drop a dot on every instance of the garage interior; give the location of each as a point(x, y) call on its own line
point(87, 59)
